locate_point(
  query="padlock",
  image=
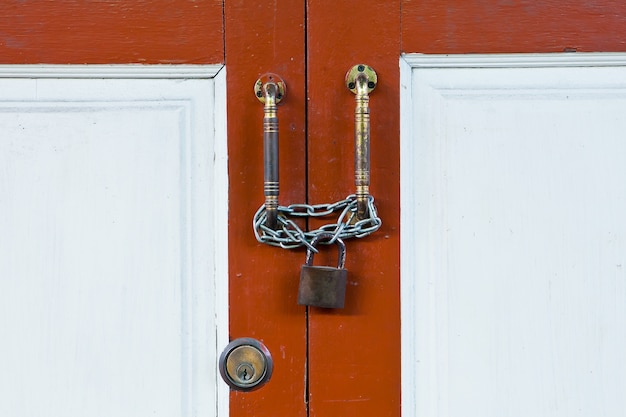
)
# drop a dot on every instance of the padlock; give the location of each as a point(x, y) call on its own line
point(323, 286)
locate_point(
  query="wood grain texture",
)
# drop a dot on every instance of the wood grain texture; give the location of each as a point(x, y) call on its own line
point(484, 26)
point(266, 37)
point(354, 352)
point(111, 31)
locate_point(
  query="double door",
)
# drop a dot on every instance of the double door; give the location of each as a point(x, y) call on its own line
point(326, 362)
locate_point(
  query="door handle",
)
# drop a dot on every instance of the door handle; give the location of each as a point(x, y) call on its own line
point(270, 89)
point(357, 216)
point(361, 80)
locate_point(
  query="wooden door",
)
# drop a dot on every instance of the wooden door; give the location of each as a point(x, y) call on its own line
point(352, 356)
point(108, 195)
point(512, 287)
point(326, 362)
point(113, 209)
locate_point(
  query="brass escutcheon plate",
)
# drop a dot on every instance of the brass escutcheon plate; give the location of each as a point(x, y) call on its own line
point(360, 70)
point(270, 78)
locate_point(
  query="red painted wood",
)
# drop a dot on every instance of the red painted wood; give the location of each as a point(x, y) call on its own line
point(354, 353)
point(266, 37)
point(111, 31)
point(484, 26)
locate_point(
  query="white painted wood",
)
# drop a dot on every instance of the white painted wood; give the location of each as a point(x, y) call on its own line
point(113, 271)
point(109, 71)
point(513, 237)
point(220, 246)
point(578, 59)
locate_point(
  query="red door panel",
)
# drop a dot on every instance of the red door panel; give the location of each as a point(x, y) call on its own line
point(266, 37)
point(483, 26)
point(111, 32)
point(354, 356)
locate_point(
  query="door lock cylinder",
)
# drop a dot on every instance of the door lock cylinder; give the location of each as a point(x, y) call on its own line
point(246, 364)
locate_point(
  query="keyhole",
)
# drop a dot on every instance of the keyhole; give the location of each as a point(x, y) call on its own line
point(245, 372)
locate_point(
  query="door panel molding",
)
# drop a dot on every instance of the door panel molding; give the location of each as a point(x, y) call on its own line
point(114, 214)
point(512, 235)
point(538, 60)
point(112, 71)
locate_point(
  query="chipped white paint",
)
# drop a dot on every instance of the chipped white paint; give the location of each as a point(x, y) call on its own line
point(113, 213)
point(513, 235)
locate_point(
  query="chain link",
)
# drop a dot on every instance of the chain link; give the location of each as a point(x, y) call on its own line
point(289, 235)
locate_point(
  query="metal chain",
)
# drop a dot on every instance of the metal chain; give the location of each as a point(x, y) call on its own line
point(289, 235)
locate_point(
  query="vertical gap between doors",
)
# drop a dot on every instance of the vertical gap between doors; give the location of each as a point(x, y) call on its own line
point(306, 196)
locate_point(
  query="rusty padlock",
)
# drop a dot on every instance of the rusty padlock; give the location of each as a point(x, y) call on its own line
point(323, 286)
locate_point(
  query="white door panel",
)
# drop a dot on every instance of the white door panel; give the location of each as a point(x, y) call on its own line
point(514, 236)
point(112, 197)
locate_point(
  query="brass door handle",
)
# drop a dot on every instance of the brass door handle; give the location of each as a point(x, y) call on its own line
point(270, 89)
point(357, 216)
point(361, 80)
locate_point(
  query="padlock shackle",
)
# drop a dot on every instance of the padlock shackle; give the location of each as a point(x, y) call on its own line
point(325, 237)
